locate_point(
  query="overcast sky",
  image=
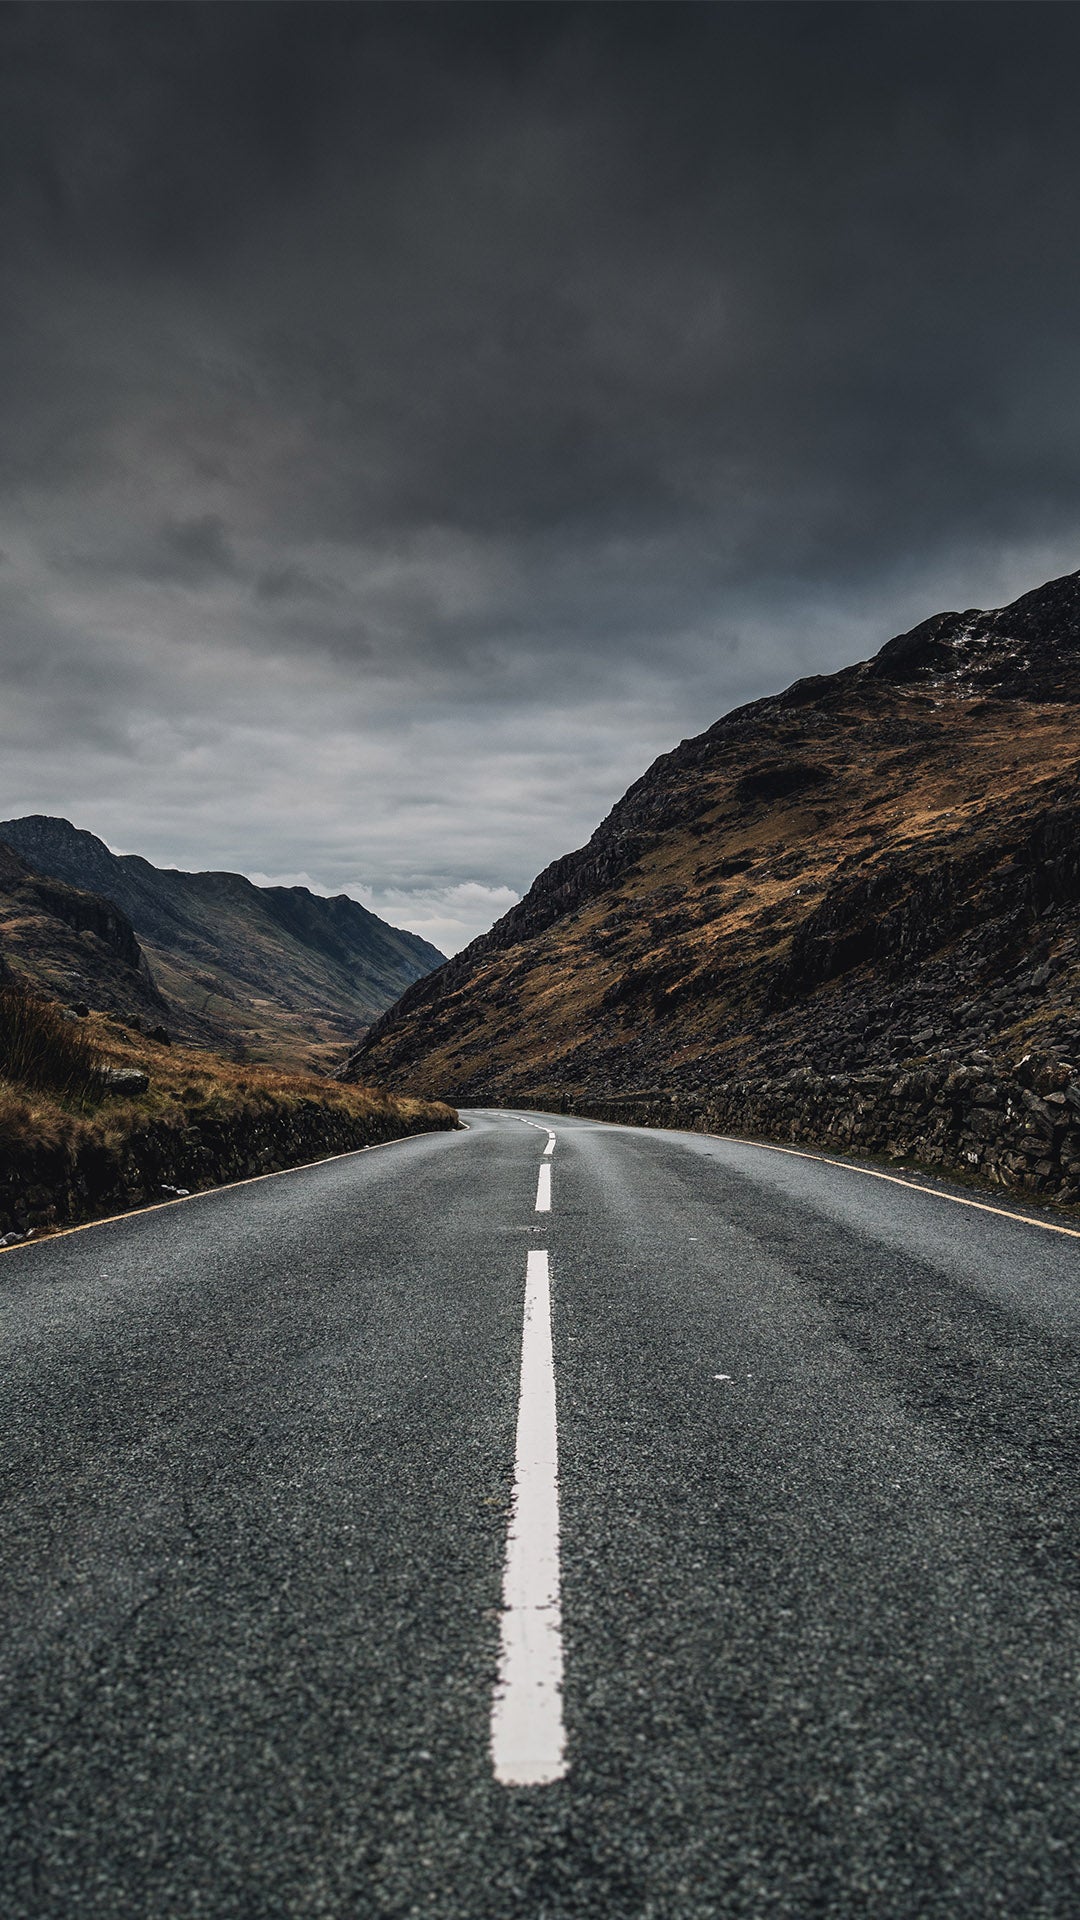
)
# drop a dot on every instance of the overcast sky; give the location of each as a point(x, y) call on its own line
point(414, 419)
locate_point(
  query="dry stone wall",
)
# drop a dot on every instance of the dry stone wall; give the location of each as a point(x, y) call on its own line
point(1015, 1126)
point(60, 1186)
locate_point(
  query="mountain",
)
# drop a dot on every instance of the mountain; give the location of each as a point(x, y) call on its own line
point(878, 866)
point(275, 971)
point(72, 944)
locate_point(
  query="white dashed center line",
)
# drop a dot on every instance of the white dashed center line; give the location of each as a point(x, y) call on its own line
point(528, 1741)
point(543, 1189)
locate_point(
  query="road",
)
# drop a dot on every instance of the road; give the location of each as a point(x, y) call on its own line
point(813, 1550)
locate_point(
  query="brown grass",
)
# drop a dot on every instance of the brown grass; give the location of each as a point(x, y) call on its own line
point(41, 1122)
point(40, 1049)
point(52, 1094)
point(907, 775)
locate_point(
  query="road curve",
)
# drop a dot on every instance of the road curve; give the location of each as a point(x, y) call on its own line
point(816, 1544)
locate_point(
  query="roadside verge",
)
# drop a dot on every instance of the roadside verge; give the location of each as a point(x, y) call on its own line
point(191, 1122)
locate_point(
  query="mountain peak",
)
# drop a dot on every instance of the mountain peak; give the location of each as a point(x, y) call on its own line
point(1027, 650)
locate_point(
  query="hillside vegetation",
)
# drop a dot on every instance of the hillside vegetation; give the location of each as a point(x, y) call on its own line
point(95, 1118)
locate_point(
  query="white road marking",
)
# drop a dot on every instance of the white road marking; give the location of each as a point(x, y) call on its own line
point(543, 1189)
point(550, 1148)
point(528, 1740)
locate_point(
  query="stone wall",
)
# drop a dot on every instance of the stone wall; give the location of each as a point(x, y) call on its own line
point(1015, 1126)
point(60, 1186)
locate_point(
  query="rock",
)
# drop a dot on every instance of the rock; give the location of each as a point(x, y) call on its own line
point(162, 1036)
point(125, 1080)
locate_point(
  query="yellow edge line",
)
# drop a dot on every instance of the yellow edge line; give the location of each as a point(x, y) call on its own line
point(205, 1193)
point(981, 1206)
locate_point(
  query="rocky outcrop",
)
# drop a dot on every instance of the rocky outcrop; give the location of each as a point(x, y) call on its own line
point(890, 920)
point(73, 944)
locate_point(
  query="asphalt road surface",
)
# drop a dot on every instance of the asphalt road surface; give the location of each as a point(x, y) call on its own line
point(810, 1592)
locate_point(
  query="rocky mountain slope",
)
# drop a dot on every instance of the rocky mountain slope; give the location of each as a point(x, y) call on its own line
point(277, 972)
point(878, 869)
point(73, 945)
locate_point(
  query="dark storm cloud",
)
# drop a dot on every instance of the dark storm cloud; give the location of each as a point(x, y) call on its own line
point(290, 583)
point(194, 549)
point(506, 390)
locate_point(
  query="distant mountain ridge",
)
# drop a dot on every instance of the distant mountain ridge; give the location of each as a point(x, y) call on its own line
point(279, 971)
point(876, 864)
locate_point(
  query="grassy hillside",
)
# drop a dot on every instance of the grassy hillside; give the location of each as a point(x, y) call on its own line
point(878, 866)
point(74, 1144)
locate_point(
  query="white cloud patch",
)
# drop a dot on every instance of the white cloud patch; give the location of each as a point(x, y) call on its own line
point(447, 916)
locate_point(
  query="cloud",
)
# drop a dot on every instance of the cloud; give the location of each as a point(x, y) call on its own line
point(416, 419)
point(447, 916)
point(291, 582)
point(194, 549)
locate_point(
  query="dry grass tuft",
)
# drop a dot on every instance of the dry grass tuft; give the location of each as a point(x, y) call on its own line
point(41, 1050)
point(25, 1119)
point(53, 1093)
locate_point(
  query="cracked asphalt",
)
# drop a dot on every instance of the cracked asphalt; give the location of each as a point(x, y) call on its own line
point(818, 1471)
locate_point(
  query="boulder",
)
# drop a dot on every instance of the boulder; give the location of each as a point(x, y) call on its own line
point(125, 1080)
